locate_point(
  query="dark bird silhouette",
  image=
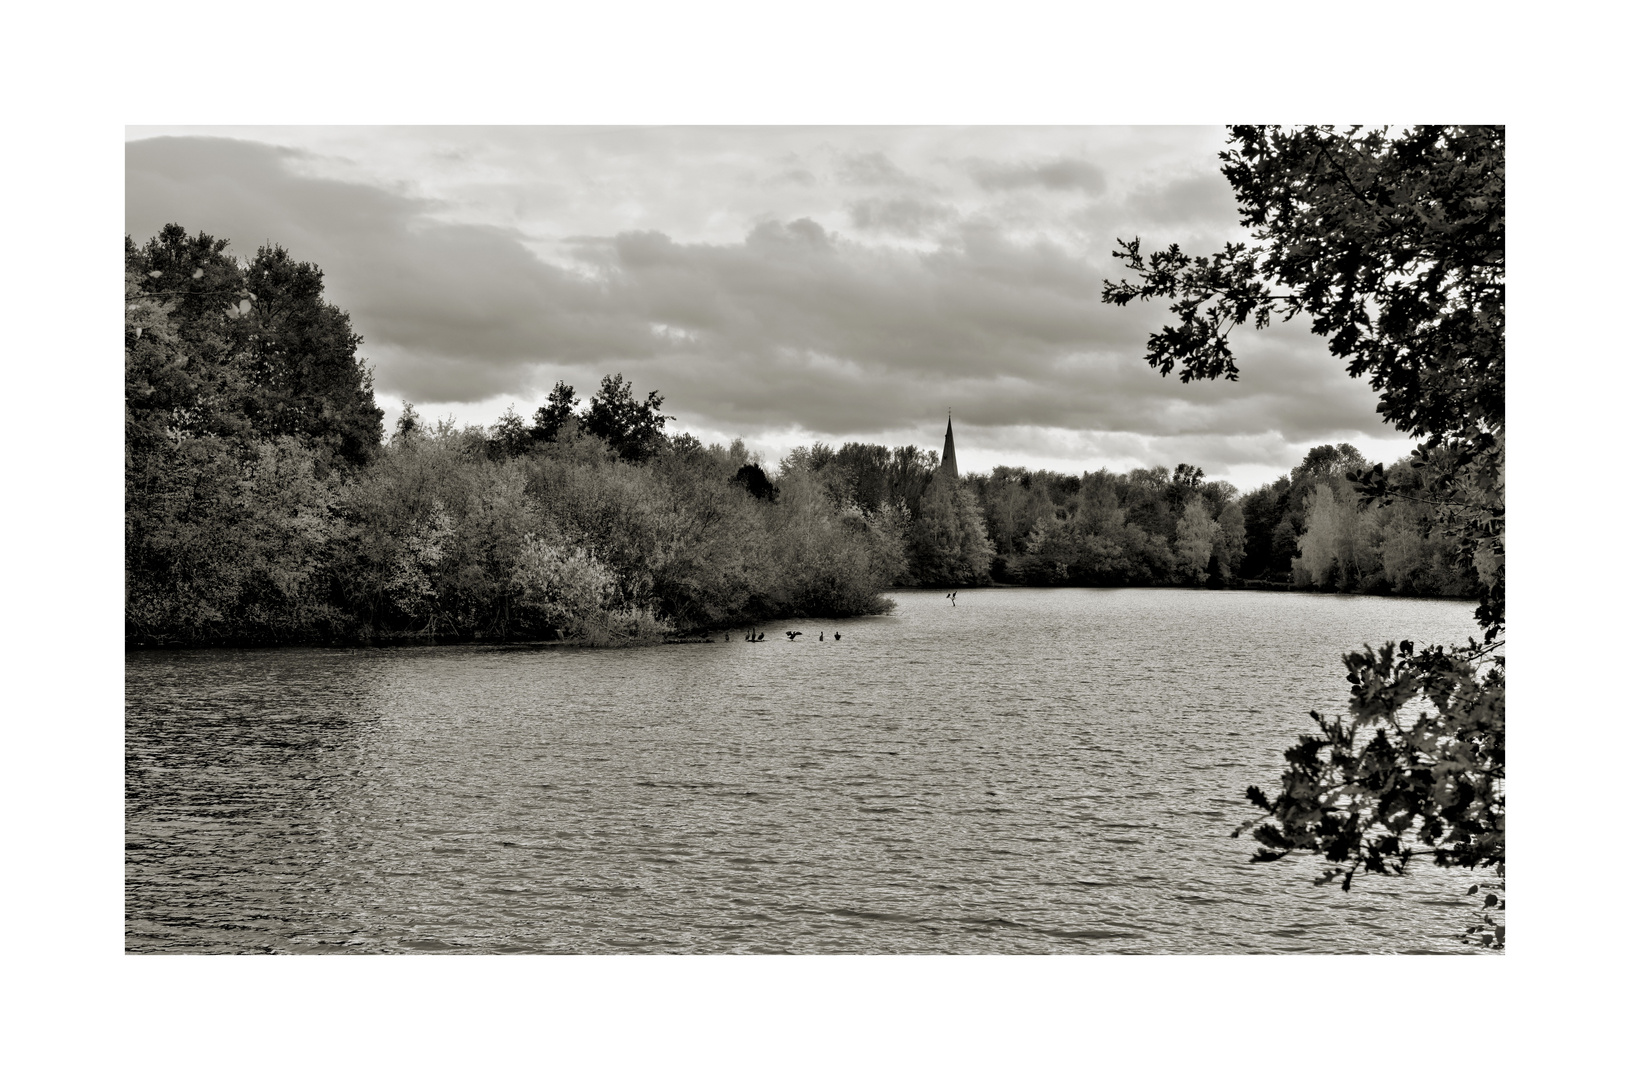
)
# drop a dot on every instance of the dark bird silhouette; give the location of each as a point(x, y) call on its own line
point(951, 596)
point(836, 636)
point(822, 637)
point(792, 635)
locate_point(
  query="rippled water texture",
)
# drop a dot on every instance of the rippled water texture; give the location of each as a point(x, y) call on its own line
point(1030, 771)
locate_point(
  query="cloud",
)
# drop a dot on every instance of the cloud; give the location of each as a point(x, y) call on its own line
point(782, 325)
point(1060, 174)
point(1204, 197)
point(462, 310)
point(873, 170)
point(902, 216)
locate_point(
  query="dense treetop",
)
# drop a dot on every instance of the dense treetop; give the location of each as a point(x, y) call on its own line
point(270, 357)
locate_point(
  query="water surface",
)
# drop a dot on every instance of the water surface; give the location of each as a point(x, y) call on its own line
point(1031, 770)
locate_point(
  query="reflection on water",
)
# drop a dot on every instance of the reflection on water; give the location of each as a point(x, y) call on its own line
point(1030, 771)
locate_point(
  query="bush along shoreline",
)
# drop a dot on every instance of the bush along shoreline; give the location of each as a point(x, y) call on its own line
point(265, 504)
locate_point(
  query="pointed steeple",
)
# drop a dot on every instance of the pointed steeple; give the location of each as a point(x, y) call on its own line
point(948, 459)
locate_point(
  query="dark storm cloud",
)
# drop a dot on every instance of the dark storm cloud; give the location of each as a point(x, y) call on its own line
point(467, 307)
point(791, 326)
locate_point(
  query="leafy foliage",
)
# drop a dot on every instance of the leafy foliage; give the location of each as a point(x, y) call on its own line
point(1394, 244)
point(266, 356)
point(574, 591)
point(750, 477)
point(632, 428)
point(549, 420)
point(301, 357)
point(1196, 539)
point(263, 506)
point(1365, 792)
point(948, 545)
point(1489, 929)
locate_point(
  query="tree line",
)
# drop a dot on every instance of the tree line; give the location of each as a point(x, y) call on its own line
point(1152, 526)
point(265, 503)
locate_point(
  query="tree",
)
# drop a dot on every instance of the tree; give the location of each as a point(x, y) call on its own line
point(1327, 465)
point(229, 523)
point(633, 429)
point(947, 541)
point(548, 421)
point(268, 357)
point(752, 478)
point(509, 436)
point(1230, 551)
point(409, 425)
point(184, 376)
point(1394, 244)
point(1262, 511)
point(1196, 536)
point(1329, 548)
point(302, 357)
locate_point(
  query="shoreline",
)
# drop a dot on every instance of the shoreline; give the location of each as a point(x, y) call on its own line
point(706, 636)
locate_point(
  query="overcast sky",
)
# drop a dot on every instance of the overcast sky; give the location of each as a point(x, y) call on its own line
point(780, 284)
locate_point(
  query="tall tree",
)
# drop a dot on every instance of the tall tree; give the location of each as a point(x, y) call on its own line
point(1327, 465)
point(308, 380)
point(947, 540)
point(549, 421)
point(1394, 244)
point(1196, 536)
point(630, 427)
point(184, 371)
point(269, 357)
point(509, 436)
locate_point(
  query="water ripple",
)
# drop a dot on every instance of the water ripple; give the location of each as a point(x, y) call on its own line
point(1031, 771)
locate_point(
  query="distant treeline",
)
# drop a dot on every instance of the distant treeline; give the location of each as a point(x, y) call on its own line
point(1149, 526)
point(264, 503)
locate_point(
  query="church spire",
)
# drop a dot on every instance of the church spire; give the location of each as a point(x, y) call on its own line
point(948, 459)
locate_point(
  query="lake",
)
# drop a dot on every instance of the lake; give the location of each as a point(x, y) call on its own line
point(1029, 771)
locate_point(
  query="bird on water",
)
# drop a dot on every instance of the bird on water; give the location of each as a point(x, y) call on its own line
point(792, 635)
point(836, 636)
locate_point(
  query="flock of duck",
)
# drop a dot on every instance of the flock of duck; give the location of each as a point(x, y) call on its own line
point(794, 635)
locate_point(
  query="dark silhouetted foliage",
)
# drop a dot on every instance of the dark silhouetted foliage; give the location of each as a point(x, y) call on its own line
point(752, 478)
point(1394, 244)
point(560, 410)
point(632, 428)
